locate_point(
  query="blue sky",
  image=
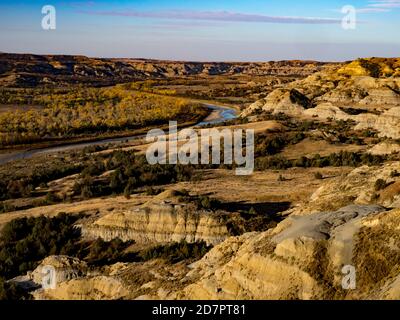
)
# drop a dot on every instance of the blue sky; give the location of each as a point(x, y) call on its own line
point(203, 30)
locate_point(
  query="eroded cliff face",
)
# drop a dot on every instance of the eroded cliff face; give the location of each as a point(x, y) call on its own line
point(302, 258)
point(160, 223)
point(370, 87)
point(346, 222)
point(350, 221)
point(74, 281)
point(87, 288)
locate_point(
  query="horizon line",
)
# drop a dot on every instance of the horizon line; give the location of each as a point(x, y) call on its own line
point(188, 60)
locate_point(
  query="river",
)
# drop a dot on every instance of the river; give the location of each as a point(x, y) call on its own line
point(219, 114)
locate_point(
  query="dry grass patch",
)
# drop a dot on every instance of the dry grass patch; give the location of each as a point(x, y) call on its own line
point(310, 148)
point(390, 191)
point(377, 252)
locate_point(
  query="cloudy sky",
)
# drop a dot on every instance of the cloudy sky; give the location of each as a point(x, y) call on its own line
point(204, 30)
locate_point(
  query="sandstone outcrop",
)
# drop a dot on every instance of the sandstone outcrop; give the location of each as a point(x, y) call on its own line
point(160, 222)
point(366, 91)
point(66, 268)
point(85, 288)
point(73, 280)
point(303, 259)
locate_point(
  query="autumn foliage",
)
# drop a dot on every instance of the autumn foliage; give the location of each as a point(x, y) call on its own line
point(63, 113)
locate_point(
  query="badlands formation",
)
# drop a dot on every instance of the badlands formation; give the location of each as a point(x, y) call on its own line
point(301, 258)
point(366, 91)
point(352, 219)
point(160, 222)
point(29, 70)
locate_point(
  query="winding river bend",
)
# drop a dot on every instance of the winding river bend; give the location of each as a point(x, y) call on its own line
point(218, 114)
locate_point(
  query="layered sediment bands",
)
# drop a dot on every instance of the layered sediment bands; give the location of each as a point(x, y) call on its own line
point(74, 281)
point(245, 267)
point(372, 94)
point(303, 258)
point(159, 223)
point(66, 268)
point(89, 288)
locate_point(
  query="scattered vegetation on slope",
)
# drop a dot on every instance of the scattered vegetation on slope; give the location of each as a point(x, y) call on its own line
point(343, 158)
point(178, 251)
point(377, 257)
point(129, 173)
point(26, 241)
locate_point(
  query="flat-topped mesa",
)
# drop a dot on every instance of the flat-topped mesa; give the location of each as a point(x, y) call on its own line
point(160, 223)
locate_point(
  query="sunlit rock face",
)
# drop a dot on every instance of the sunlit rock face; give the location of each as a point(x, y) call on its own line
point(366, 91)
point(303, 259)
point(159, 223)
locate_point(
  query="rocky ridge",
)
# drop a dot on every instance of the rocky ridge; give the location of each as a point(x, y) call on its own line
point(366, 91)
point(302, 258)
point(161, 220)
point(160, 223)
point(31, 70)
point(349, 221)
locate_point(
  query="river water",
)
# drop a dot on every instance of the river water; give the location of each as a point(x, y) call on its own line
point(219, 114)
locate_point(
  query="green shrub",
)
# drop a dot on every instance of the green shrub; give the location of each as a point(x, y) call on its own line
point(394, 174)
point(318, 175)
point(102, 252)
point(26, 241)
point(281, 178)
point(177, 251)
point(51, 198)
point(205, 202)
point(343, 158)
point(373, 68)
point(252, 211)
point(380, 184)
point(5, 207)
point(153, 191)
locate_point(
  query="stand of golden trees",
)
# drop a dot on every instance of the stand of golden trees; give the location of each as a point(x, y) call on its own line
point(79, 112)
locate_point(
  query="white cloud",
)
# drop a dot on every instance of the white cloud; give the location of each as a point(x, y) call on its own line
point(372, 10)
point(214, 16)
point(378, 6)
point(388, 4)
